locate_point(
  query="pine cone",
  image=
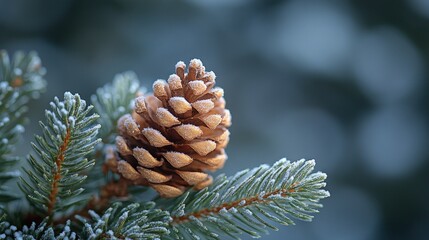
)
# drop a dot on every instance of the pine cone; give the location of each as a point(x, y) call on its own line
point(176, 135)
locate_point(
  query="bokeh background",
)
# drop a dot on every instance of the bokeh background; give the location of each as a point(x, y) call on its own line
point(343, 82)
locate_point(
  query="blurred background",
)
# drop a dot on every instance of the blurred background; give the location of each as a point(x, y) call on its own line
point(343, 82)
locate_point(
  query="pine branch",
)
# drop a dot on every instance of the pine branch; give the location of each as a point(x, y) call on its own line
point(56, 174)
point(248, 201)
point(133, 221)
point(110, 102)
point(21, 79)
point(24, 73)
point(251, 201)
point(113, 101)
point(41, 231)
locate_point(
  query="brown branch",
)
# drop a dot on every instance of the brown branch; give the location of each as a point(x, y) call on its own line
point(110, 189)
point(57, 175)
point(235, 204)
point(102, 201)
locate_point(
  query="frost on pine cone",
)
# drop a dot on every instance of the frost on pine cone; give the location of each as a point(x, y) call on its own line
point(175, 135)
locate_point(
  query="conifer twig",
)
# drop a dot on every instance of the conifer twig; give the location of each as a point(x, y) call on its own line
point(248, 201)
point(21, 79)
point(57, 175)
point(54, 183)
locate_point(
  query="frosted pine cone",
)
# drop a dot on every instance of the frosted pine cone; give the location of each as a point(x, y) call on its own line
point(176, 135)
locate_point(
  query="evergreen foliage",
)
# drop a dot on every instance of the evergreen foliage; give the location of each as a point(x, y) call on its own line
point(55, 177)
point(134, 221)
point(110, 102)
point(35, 231)
point(252, 201)
point(113, 101)
point(248, 201)
point(21, 79)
